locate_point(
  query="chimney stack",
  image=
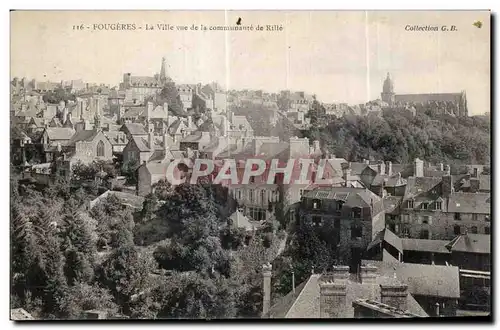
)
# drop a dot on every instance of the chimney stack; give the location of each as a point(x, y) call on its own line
point(340, 273)
point(266, 273)
point(189, 121)
point(447, 170)
point(151, 140)
point(441, 167)
point(332, 299)
point(381, 168)
point(149, 110)
point(394, 295)
point(316, 146)
point(368, 274)
point(165, 143)
point(388, 168)
point(418, 168)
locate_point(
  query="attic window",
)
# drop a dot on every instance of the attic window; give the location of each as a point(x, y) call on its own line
point(410, 204)
point(438, 205)
point(425, 206)
point(356, 212)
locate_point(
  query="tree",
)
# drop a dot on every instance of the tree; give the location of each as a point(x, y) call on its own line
point(126, 273)
point(82, 297)
point(149, 207)
point(196, 297)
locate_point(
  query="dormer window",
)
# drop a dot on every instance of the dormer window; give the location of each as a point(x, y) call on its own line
point(356, 212)
point(316, 204)
point(438, 205)
point(425, 206)
point(410, 203)
point(339, 206)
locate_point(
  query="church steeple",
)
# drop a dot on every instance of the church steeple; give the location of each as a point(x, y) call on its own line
point(163, 71)
point(388, 94)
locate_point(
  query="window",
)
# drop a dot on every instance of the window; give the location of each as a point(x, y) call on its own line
point(100, 149)
point(301, 192)
point(475, 172)
point(474, 229)
point(425, 219)
point(405, 231)
point(487, 218)
point(487, 230)
point(250, 194)
point(458, 216)
point(425, 206)
point(238, 193)
point(410, 204)
point(356, 212)
point(252, 179)
point(356, 232)
point(317, 220)
point(474, 217)
point(263, 196)
point(316, 204)
point(438, 205)
point(339, 206)
point(456, 230)
point(424, 234)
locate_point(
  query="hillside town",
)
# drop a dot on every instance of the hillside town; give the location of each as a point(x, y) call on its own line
point(387, 236)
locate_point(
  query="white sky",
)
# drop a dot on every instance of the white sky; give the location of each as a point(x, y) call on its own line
point(340, 56)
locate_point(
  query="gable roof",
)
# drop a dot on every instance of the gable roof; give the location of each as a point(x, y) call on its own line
point(83, 135)
point(472, 243)
point(134, 129)
point(425, 245)
point(354, 196)
point(305, 302)
point(60, 133)
point(241, 221)
point(422, 186)
point(478, 203)
point(422, 279)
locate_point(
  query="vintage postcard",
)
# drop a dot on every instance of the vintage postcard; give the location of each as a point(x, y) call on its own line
point(250, 165)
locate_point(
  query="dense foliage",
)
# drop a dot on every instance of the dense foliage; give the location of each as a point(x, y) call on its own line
point(399, 137)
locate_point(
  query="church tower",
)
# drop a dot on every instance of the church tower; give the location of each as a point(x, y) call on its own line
point(163, 72)
point(388, 94)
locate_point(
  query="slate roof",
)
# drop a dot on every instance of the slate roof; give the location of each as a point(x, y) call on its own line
point(241, 121)
point(349, 195)
point(391, 203)
point(478, 203)
point(133, 112)
point(485, 182)
point(427, 187)
point(134, 129)
point(422, 279)
point(83, 135)
point(387, 236)
point(472, 243)
point(60, 133)
point(425, 245)
point(305, 303)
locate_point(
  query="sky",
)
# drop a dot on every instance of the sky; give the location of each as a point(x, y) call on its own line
point(341, 56)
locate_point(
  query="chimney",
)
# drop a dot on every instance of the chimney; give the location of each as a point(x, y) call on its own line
point(266, 273)
point(418, 168)
point(447, 169)
point(149, 110)
point(447, 185)
point(388, 168)
point(316, 146)
point(151, 140)
point(368, 274)
point(437, 309)
point(366, 161)
point(189, 121)
point(165, 143)
point(165, 107)
point(441, 167)
point(256, 146)
point(394, 295)
point(332, 299)
point(381, 168)
point(64, 115)
point(340, 273)
point(68, 117)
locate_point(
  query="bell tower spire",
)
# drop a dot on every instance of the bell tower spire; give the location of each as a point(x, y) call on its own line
point(388, 94)
point(163, 71)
